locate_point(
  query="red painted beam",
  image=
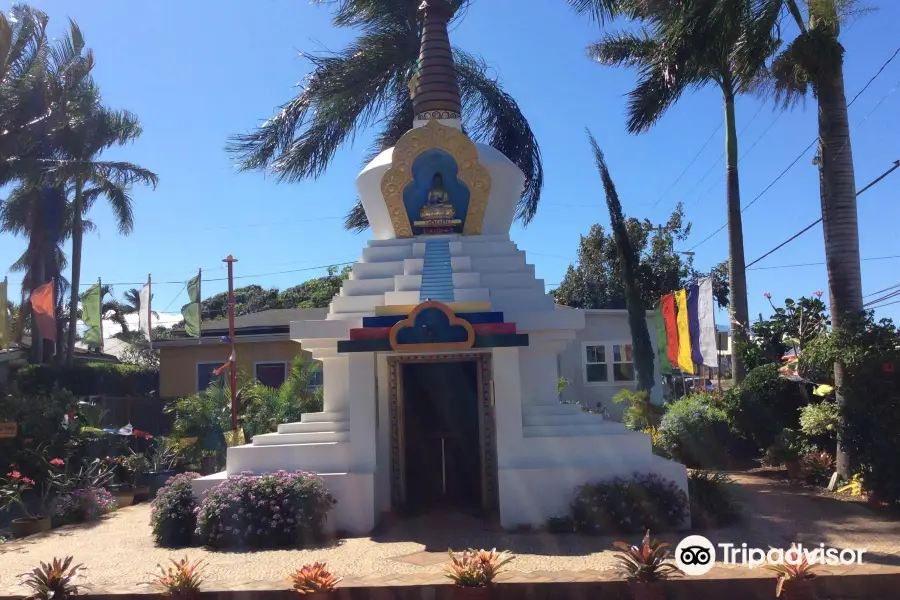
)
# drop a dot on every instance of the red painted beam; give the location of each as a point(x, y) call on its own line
point(382, 333)
point(494, 328)
point(370, 333)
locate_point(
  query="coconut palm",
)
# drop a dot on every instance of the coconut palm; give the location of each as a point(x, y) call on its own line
point(814, 62)
point(367, 84)
point(683, 46)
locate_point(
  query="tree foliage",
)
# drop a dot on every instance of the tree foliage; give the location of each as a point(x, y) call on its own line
point(595, 281)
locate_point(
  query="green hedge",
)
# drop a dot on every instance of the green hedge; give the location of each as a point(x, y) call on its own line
point(89, 379)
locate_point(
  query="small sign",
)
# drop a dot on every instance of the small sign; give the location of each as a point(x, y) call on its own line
point(8, 429)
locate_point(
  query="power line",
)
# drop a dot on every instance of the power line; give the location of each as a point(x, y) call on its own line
point(815, 264)
point(693, 160)
point(890, 287)
point(882, 299)
point(811, 144)
point(819, 220)
point(883, 305)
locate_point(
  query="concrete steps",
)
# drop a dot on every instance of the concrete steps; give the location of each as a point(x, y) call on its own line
point(314, 427)
point(313, 437)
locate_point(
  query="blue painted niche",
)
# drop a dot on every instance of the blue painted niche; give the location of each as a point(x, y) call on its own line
point(423, 170)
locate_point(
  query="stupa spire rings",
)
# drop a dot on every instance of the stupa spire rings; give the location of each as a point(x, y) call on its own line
point(436, 87)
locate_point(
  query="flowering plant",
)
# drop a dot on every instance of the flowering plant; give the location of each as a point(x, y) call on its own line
point(11, 490)
point(181, 579)
point(645, 563)
point(644, 501)
point(280, 509)
point(173, 516)
point(53, 580)
point(82, 505)
point(794, 568)
point(314, 578)
point(476, 568)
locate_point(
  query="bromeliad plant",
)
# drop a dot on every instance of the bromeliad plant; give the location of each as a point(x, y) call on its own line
point(314, 578)
point(794, 570)
point(181, 580)
point(54, 580)
point(645, 563)
point(476, 568)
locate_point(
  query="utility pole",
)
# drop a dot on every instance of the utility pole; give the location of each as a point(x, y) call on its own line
point(233, 366)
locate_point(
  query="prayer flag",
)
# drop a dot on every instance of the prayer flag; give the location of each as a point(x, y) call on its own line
point(191, 311)
point(4, 317)
point(684, 335)
point(144, 312)
point(668, 311)
point(706, 313)
point(693, 292)
point(91, 314)
point(230, 362)
point(42, 305)
point(665, 367)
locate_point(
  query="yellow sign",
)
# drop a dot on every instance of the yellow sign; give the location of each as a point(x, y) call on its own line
point(8, 429)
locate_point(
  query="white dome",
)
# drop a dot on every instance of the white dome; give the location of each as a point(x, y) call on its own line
point(507, 182)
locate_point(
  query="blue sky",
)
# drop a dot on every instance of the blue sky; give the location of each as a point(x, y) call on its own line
point(196, 72)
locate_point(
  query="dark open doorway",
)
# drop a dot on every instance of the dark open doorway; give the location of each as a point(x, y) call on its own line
point(442, 436)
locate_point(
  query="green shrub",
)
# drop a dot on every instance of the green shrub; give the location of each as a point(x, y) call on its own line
point(561, 524)
point(816, 468)
point(40, 422)
point(819, 419)
point(786, 447)
point(89, 379)
point(694, 431)
point(174, 517)
point(640, 412)
point(282, 509)
point(764, 404)
point(634, 505)
point(712, 501)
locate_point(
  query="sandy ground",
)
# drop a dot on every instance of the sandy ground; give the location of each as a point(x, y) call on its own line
point(119, 550)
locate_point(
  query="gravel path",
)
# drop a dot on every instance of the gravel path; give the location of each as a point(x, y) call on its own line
point(119, 550)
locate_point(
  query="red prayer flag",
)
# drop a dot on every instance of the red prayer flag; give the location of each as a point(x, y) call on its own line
point(668, 312)
point(42, 310)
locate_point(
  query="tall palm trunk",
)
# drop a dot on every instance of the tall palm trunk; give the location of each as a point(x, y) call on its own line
point(77, 238)
point(837, 192)
point(37, 340)
point(736, 269)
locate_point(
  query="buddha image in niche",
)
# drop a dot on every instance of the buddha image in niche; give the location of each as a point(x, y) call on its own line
point(438, 205)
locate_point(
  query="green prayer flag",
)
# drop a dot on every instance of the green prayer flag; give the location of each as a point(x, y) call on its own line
point(191, 314)
point(91, 315)
point(662, 345)
point(193, 289)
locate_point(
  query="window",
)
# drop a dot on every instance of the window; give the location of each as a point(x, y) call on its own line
point(271, 374)
point(608, 363)
point(205, 375)
point(595, 364)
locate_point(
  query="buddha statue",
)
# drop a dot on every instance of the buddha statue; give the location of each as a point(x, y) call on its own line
point(438, 205)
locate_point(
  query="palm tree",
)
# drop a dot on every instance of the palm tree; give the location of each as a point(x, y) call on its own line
point(367, 84)
point(132, 304)
point(814, 61)
point(628, 265)
point(684, 46)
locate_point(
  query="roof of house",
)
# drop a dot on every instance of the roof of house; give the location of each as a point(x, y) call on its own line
point(19, 351)
point(267, 325)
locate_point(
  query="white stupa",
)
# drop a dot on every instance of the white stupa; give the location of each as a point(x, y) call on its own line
point(440, 352)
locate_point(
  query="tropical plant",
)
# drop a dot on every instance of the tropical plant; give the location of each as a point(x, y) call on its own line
point(181, 579)
point(628, 269)
point(132, 303)
point(53, 580)
point(174, 513)
point(819, 419)
point(688, 45)
point(476, 568)
point(367, 83)
point(640, 413)
point(164, 454)
point(263, 408)
point(645, 563)
point(313, 579)
point(11, 490)
point(816, 468)
point(793, 568)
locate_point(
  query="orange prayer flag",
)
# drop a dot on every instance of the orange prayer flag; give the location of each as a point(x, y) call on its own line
point(42, 306)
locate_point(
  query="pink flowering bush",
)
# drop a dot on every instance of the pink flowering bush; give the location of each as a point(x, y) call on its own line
point(272, 510)
point(83, 505)
point(174, 513)
point(643, 501)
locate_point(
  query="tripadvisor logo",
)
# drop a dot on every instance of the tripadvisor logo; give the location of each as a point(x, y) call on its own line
point(696, 555)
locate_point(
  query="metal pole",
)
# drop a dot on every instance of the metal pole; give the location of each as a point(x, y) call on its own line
point(232, 367)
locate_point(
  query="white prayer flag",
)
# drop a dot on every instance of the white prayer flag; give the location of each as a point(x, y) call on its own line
point(706, 315)
point(144, 313)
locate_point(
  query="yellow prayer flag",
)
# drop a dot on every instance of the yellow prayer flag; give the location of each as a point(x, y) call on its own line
point(823, 390)
point(685, 363)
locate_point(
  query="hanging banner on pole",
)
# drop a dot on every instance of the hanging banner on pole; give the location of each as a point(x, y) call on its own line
point(42, 309)
point(191, 310)
point(91, 314)
point(144, 313)
point(665, 367)
point(706, 314)
point(684, 334)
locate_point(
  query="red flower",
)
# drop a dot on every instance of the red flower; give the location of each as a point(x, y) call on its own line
point(768, 296)
point(27, 481)
point(14, 475)
point(57, 462)
point(888, 367)
point(819, 293)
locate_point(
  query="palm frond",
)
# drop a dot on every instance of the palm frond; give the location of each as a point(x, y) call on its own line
point(494, 118)
point(600, 11)
point(811, 57)
point(624, 48)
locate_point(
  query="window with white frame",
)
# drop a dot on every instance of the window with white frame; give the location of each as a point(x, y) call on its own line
point(608, 362)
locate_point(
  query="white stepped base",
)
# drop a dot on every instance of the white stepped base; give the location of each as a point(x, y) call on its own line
point(548, 492)
point(548, 409)
point(568, 430)
point(314, 426)
point(326, 457)
point(355, 494)
point(579, 418)
point(309, 437)
point(578, 445)
point(318, 417)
